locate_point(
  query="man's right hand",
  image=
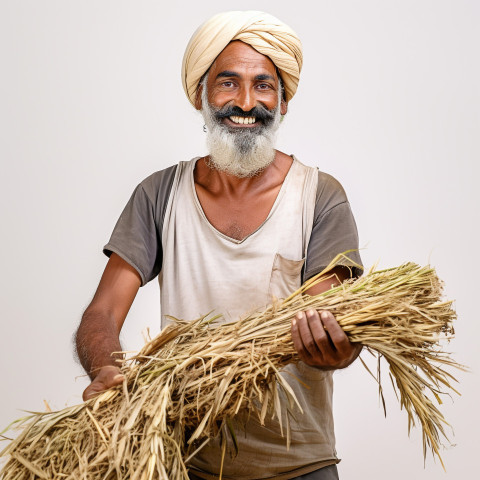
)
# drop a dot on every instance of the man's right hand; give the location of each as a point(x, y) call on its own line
point(97, 338)
point(107, 377)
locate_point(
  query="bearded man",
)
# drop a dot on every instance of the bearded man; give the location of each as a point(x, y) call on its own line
point(229, 231)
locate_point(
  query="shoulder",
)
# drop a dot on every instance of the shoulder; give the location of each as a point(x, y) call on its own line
point(329, 189)
point(158, 182)
point(329, 194)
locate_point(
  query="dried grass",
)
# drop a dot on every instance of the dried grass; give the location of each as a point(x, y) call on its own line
point(187, 384)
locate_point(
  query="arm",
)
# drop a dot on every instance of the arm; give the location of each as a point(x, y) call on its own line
point(318, 338)
point(97, 336)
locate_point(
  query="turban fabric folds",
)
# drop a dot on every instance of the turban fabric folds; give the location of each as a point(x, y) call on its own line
point(265, 33)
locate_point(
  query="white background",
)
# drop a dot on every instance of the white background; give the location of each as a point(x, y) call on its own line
point(91, 103)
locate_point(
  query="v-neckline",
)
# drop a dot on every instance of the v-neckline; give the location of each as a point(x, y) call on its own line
point(270, 213)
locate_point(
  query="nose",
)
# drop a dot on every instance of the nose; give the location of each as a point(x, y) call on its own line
point(245, 99)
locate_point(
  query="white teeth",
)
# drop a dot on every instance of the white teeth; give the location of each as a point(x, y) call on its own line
point(243, 120)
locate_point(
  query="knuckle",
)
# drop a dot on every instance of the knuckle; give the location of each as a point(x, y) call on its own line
point(320, 335)
point(322, 342)
point(338, 340)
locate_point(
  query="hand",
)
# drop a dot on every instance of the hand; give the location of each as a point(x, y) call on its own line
point(320, 341)
point(107, 377)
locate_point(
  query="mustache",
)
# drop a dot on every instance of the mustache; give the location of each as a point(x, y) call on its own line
point(259, 112)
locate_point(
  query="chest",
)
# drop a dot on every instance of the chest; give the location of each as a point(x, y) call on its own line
point(230, 275)
point(238, 216)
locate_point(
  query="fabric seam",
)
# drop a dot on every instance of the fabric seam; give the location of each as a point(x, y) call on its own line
point(331, 208)
point(113, 249)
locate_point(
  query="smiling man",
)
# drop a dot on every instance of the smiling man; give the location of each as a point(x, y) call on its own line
point(230, 231)
point(241, 102)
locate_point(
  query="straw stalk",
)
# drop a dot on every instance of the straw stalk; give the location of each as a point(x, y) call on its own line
point(188, 384)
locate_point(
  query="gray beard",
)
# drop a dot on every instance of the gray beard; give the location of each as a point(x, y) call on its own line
point(244, 152)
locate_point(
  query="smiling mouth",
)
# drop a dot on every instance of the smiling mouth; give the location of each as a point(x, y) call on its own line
point(242, 120)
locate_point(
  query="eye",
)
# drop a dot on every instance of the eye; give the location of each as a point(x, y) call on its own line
point(227, 84)
point(263, 86)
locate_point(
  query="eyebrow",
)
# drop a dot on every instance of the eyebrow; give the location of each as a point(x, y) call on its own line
point(229, 74)
point(264, 76)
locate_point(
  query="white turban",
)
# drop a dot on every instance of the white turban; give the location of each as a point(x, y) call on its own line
point(262, 31)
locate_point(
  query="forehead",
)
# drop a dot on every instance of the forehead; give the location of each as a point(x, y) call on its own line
point(238, 56)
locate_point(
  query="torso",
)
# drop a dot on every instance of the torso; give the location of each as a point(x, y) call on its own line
point(206, 270)
point(237, 207)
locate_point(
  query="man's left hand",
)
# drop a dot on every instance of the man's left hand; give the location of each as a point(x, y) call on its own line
point(321, 342)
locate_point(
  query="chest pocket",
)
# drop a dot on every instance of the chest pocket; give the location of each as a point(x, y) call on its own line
point(285, 277)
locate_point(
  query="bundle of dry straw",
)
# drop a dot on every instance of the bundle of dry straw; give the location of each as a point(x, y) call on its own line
point(186, 385)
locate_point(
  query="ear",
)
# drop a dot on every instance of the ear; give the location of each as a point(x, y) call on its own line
point(283, 107)
point(198, 97)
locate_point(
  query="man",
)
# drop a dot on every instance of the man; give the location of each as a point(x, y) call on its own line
point(228, 232)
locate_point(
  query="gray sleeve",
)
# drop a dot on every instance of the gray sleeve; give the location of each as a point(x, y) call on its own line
point(137, 235)
point(334, 229)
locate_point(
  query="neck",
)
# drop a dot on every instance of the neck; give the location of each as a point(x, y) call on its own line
point(220, 181)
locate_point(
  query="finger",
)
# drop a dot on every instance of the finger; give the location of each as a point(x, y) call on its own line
point(114, 380)
point(306, 334)
point(107, 378)
point(91, 391)
point(338, 337)
point(86, 395)
point(319, 333)
point(296, 338)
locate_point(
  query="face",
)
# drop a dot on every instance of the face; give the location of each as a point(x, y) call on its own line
point(241, 103)
point(244, 78)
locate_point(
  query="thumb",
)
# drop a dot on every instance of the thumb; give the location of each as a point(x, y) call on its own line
point(106, 378)
point(113, 380)
point(91, 391)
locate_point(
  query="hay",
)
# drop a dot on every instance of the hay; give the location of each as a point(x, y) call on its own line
point(187, 384)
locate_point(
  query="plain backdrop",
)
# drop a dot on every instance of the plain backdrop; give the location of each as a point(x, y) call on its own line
point(91, 103)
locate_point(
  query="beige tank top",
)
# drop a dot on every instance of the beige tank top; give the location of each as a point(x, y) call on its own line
point(206, 271)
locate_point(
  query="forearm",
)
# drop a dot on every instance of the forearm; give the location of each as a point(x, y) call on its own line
point(97, 342)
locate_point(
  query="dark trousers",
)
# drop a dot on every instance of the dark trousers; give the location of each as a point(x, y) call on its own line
point(325, 473)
